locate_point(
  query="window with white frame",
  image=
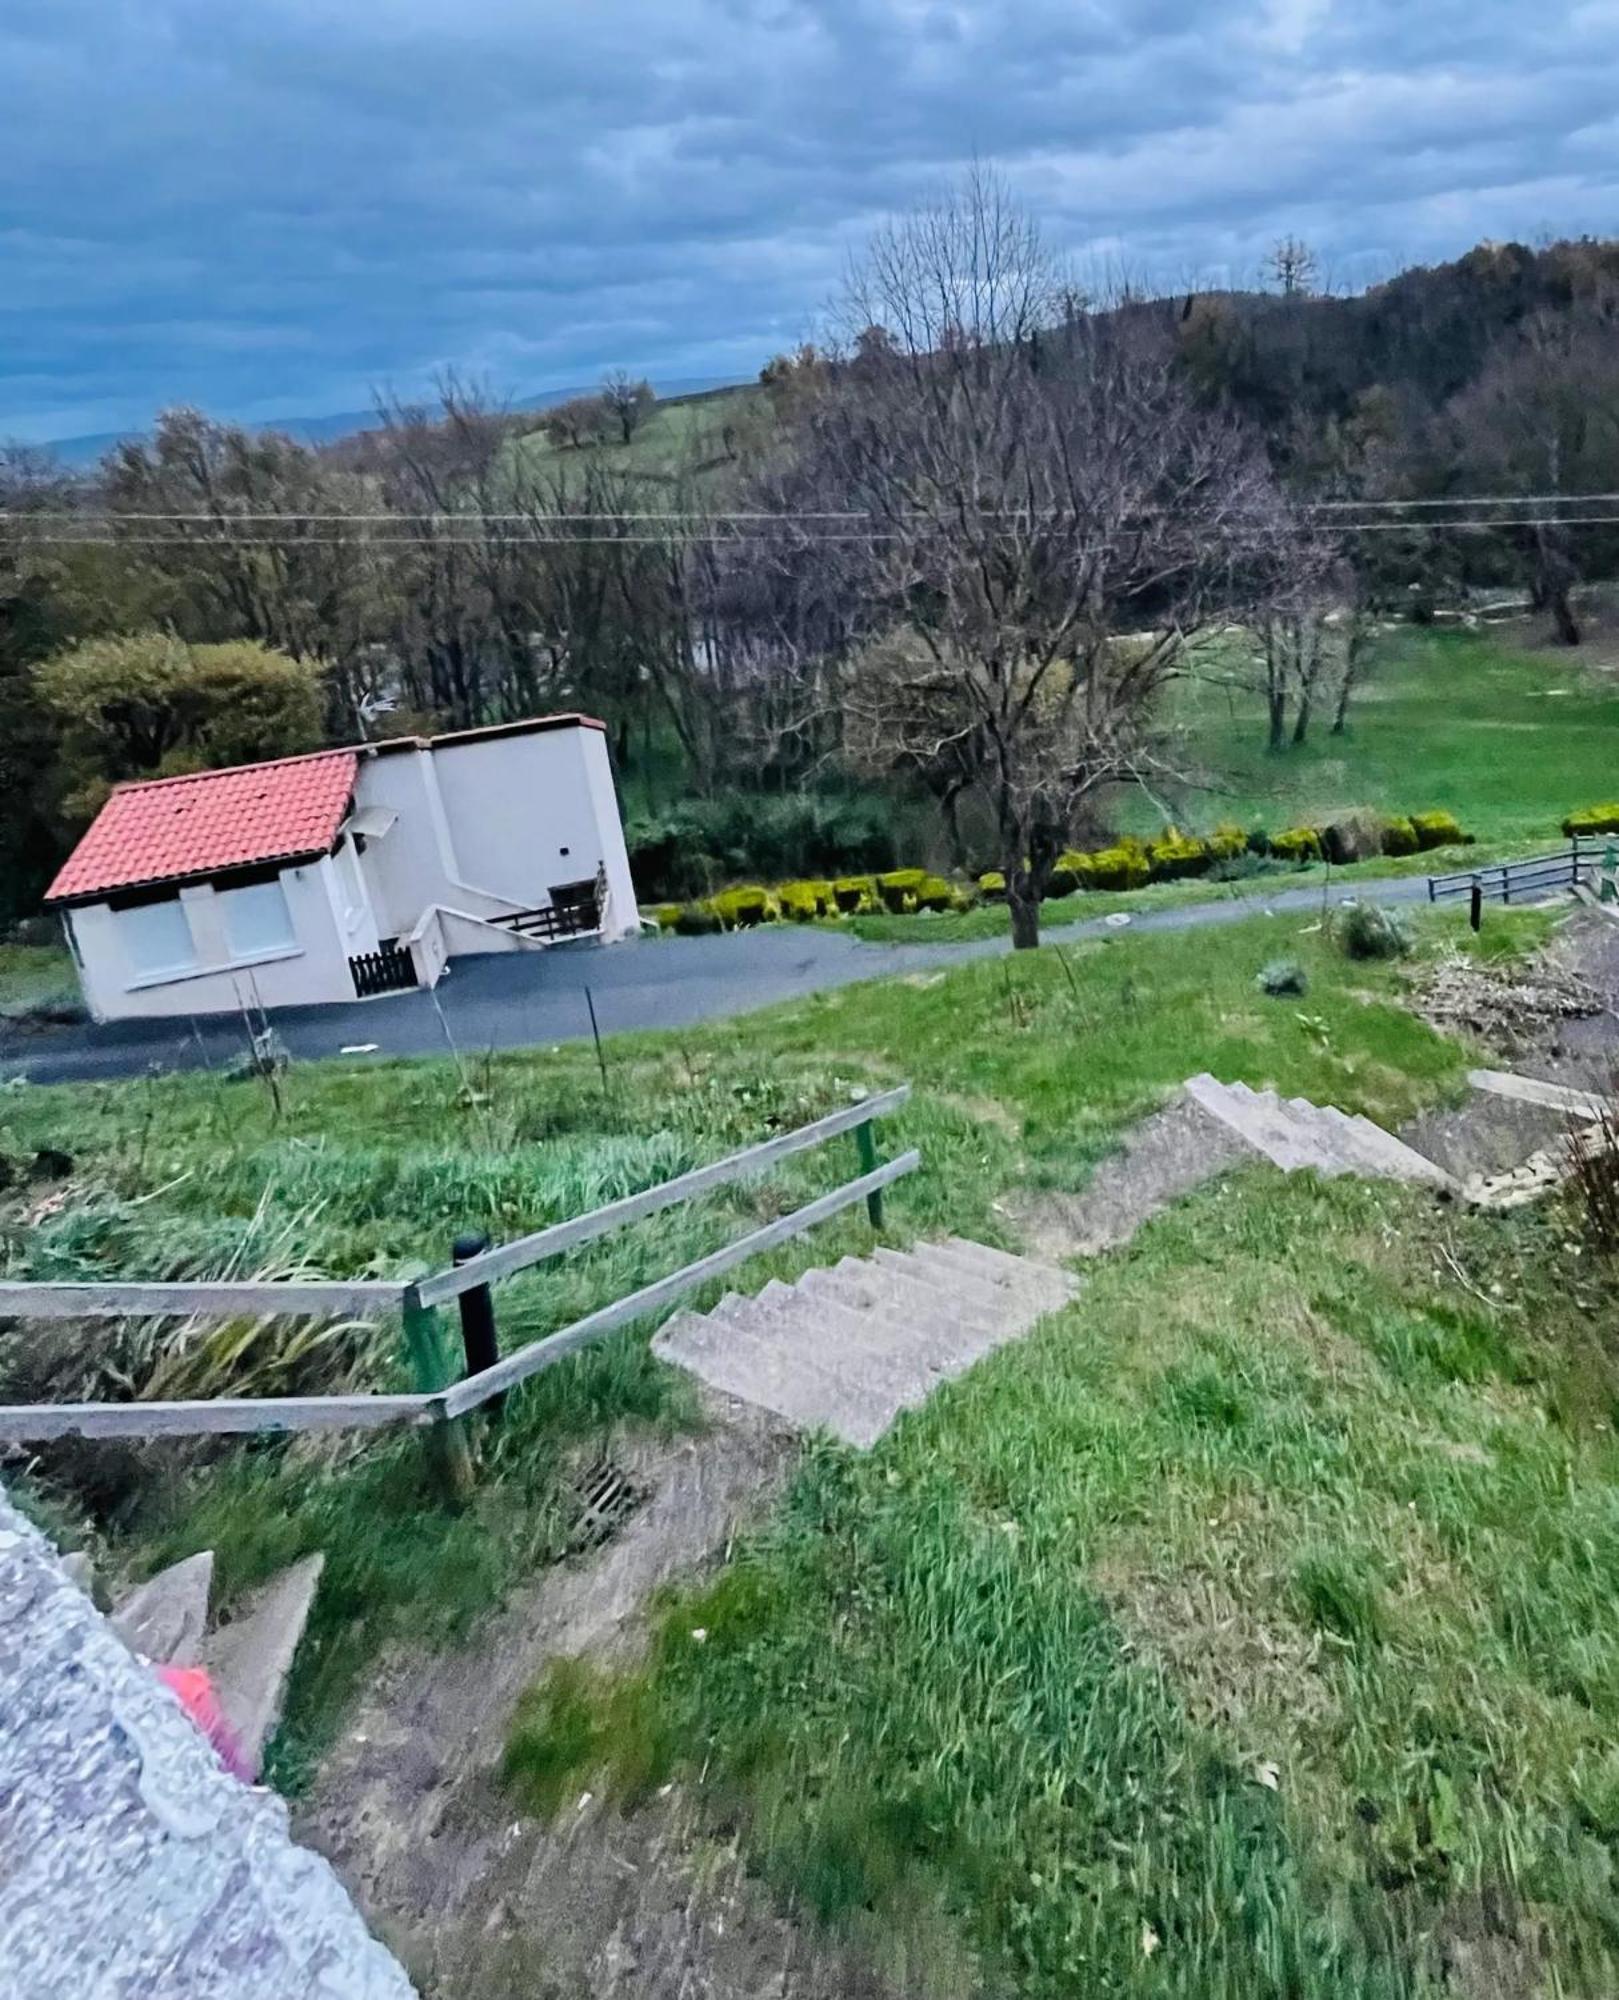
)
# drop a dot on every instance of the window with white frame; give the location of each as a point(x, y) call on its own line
point(257, 919)
point(157, 938)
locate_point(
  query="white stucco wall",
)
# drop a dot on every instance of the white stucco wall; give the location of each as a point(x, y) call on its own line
point(483, 826)
point(316, 969)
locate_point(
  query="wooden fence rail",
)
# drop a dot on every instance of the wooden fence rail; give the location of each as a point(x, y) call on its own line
point(437, 1402)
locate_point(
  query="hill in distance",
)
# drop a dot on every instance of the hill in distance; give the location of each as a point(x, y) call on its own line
point(82, 452)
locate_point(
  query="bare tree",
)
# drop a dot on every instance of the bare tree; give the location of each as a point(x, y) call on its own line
point(1031, 515)
point(627, 402)
point(578, 421)
point(1293, 268)
point(1542, 419)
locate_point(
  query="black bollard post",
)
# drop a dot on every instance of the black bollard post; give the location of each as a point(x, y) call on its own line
point(1475, 913)
point(477, 1309)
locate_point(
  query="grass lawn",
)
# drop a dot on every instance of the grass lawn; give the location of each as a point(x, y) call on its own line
point(1508, 739)
point(1248, 1630)
point(33, 972)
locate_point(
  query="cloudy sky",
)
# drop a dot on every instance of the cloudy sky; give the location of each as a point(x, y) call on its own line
point(273, 207)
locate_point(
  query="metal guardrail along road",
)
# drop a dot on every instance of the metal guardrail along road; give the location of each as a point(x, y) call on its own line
point(1507, 881)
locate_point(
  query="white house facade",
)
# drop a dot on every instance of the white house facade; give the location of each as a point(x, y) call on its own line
point(346, 873)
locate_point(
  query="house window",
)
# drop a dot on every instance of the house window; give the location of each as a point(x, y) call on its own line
point(257, 920)
point(157, 938)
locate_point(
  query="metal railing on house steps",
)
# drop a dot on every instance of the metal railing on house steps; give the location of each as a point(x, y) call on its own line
point(1521, 881)
point(575, 910)
point(438, 1401)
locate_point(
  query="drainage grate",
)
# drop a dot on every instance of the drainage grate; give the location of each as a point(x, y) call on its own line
point(605, 1500)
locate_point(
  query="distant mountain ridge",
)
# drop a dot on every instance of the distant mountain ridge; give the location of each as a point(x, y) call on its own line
point(81, 452)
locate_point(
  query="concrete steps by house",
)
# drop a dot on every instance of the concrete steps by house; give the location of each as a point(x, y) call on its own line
point(1295, 1134)
point(846, 1349)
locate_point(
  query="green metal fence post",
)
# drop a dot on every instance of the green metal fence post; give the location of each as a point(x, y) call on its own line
point(446, 1441)
point(865, 1141)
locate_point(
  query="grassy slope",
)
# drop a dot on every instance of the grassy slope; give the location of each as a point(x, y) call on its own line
point(1508, 739)
point(1248, 1631)
point(1026, 1072)
point(676, 438)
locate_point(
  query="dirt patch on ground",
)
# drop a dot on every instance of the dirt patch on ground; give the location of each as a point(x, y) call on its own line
point(1258, 1683)
point(482, 1902)
point(1556, 1019)
point(1167, 1155)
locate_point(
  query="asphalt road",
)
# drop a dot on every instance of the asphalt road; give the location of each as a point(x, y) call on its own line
point(532, 999)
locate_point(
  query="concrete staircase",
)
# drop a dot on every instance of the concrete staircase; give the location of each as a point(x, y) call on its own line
point(847, 1349)
point(1293, 1133)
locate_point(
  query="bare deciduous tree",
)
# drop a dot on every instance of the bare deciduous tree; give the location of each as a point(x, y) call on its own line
point(1031, 516)
point(626, 401)
point(1542, 419)
point(1293, 268)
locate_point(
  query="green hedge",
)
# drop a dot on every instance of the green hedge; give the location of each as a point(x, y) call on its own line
point(1128, 864)
point(1592, 819)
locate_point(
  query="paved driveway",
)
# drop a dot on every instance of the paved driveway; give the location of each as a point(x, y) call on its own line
point(530, 999)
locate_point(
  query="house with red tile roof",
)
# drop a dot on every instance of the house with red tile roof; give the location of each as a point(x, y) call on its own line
point(345, 873)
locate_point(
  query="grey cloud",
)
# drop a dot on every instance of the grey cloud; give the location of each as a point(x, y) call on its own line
point(275, 208)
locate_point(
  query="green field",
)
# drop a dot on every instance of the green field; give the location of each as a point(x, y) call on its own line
point(679, 439)
point(1507, 738)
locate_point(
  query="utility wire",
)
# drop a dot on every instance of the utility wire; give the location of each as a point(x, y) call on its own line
point(706, 517)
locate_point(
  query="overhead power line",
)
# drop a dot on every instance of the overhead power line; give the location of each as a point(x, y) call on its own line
point(702, 517)
point(700, 536)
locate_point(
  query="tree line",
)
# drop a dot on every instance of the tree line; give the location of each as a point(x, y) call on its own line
point(960, 548)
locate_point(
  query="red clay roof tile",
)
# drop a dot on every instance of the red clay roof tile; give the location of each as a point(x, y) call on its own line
point(175, 829)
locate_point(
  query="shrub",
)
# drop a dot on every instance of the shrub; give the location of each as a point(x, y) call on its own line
point(1437, 829)
point(1258, 841)
point(1121, 867)
point(1365, 931)
point(899, 887)
point(697, 920)
point(686, 851)
point(992, 886)
point(62, 1009)
point(1282, 978)
point(854, 893)
point(665, 915)
point(935, 893)
point(1593, 819)
point(1399, 837)
point(740, 909)
point(1241, 868)
point(1176, 855)
point(1226, 842)
point(1064, 878)
point(1355, 837)
point(802, 901)
point(1298, 844)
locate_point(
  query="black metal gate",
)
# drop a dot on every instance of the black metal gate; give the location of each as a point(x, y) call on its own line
point(386, 970)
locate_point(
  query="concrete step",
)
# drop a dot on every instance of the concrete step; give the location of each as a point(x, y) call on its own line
point(848, 1348)
point(930, 1290)
point(251, 1657)
point(1531, 1090)
point(1259, 1119)
point(770, 1364)
point(164, 1619)
point(1043, 1284)
point(1298, 1134)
